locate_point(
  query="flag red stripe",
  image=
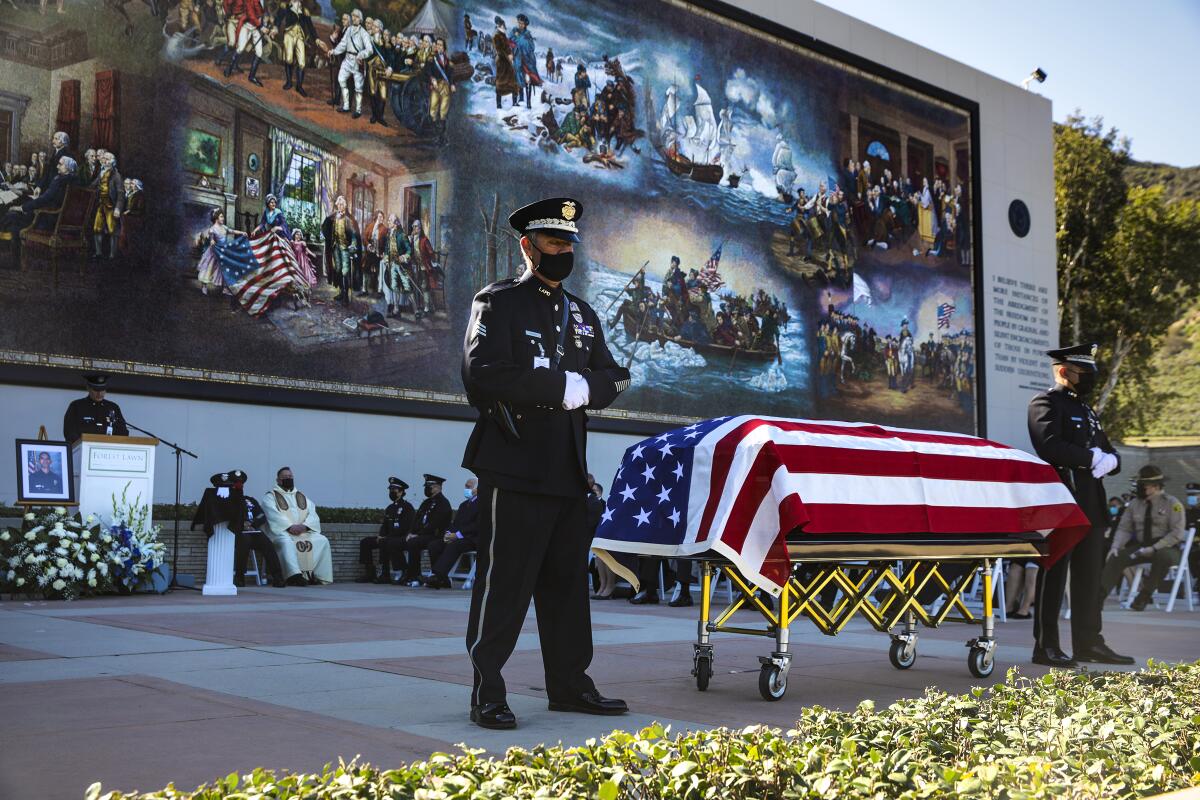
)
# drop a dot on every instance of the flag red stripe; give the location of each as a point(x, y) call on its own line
point(726, 448)
point(891, 464)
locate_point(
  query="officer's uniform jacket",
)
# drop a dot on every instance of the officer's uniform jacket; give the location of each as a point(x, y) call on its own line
point(1166, 523)
point(397, 519)
point(511, 340)
point(84, 416)
point(433, 516)
point(1063, 429)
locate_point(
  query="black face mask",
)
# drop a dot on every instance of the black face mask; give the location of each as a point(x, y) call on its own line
point(395, 496)
point(429, 491)
point(287, 484)
point(554, 266)
point(1084, 384)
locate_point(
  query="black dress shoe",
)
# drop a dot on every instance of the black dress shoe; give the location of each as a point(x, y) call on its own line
point(644, 598)
point(1139, 604)
point(239, 581)
point(312, 579)
point(278, 583)
point(438, 582)
point(591, 703)
point(1102, 654)
point(297, 580)
point(681, 601)
point(1052, 657)
point(496, 716)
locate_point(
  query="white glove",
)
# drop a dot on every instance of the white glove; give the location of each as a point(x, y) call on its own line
point(576, 393)
point(1097, 455)
point(223, 492)
point(1107, 464)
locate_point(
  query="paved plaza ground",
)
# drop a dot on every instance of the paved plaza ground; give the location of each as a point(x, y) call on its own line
point(141, 691)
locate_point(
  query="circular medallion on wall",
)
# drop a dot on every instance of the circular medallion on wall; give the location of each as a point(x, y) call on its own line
point(252, 162)
point(1018, 218)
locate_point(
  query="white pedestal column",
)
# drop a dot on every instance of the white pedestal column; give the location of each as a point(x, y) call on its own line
point(219, 580)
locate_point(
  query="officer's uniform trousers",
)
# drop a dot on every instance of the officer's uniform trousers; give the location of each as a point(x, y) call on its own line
point(530, 546)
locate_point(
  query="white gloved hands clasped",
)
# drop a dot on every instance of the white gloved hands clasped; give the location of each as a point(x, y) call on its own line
point(576, 393)
point(1102, 462)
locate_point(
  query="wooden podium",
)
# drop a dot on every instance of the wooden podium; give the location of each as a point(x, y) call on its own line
point(106, 465)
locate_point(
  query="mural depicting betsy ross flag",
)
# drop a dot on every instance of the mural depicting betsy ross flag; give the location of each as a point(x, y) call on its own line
point(739, 485)
point(258, 268)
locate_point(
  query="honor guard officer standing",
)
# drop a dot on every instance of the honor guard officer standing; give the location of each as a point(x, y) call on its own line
point(397, 523)
point(1066, 433)
point(534, 359)
point(433, 516)
point(1150, 532)
point(94, 414)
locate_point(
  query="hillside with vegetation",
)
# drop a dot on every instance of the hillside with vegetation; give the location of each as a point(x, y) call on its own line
point(1175, 365)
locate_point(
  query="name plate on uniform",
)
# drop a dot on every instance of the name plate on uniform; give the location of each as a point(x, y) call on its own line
point(117, 459)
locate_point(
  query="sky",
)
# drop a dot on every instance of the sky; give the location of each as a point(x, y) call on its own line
point(1135, 64)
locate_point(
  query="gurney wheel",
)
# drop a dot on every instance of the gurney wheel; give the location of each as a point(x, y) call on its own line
point(771, 683)
point(980, 662)
point(703, 672)
point(901, 656)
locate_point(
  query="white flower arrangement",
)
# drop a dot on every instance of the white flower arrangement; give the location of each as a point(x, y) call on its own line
point(64, 557)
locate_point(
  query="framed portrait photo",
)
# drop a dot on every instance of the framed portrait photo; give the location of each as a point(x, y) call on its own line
point(44, 473)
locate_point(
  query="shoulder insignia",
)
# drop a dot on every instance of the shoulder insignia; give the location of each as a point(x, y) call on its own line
point(498, 286)
point(1178, 507)
point(622, 385)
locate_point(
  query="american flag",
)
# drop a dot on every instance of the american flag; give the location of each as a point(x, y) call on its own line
point(739, 485)
point(945, 311)
point(259, 268)
point(708, 274)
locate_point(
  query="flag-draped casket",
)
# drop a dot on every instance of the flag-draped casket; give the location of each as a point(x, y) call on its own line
point(739, 486)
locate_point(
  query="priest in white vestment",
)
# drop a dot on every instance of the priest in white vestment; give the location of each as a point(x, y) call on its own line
point(295, 530)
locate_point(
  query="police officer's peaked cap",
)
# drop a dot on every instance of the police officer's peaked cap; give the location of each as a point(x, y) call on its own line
point(231, 478)
point(556, 216)
point(434, 479)
point(1151, 474)
point(97, 381)
point(1078, 355)
point(399, 484)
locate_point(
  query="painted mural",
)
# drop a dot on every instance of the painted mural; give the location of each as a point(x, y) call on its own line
point(307, 193)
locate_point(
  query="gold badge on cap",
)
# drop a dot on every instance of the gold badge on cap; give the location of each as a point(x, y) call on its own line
point(568, 210)
point(1095, 347)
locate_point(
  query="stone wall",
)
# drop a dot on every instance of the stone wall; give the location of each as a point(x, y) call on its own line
point(343, 539)
point(193, 547)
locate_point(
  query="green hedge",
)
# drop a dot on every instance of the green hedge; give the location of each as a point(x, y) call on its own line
point(1068, 734)
point(165, 512)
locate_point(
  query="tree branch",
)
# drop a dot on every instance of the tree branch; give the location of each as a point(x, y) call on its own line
point(1121, 349)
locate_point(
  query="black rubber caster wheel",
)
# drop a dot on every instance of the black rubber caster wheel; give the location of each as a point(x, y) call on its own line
point(772, 684)
point(980, 662)
point(902, 656)
point(703, 671)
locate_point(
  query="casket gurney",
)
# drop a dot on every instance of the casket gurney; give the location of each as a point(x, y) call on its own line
point(832, 521)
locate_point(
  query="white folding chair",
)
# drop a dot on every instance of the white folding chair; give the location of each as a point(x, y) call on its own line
point(1180, 575)
point(259, 580)
point(464, 573)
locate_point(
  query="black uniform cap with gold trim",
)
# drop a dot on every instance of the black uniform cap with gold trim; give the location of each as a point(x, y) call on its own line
point(556, 216)
point(97, 381)
point(1079, 355)
point(434, 479)
point(399, 484)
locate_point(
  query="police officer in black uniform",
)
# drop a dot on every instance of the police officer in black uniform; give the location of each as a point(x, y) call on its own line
point(397, 523)
point(433, 517)
point(534, 358)
point(94, 414)
point(225, 503)
point(1066, 433)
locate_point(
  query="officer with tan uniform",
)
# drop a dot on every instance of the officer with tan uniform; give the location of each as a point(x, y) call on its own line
point(1150, 532)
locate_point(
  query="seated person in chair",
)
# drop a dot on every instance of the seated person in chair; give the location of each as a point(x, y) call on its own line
point(461, 537)
point(432, 518)
point(19, 218)
point(295, 530)
point(253, 538)
point(1150, 532)
point(397, 523)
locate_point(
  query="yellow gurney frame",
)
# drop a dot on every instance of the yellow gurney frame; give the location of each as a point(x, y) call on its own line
point(880, 580)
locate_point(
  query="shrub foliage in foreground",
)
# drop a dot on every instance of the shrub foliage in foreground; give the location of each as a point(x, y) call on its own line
point(1063, 735)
